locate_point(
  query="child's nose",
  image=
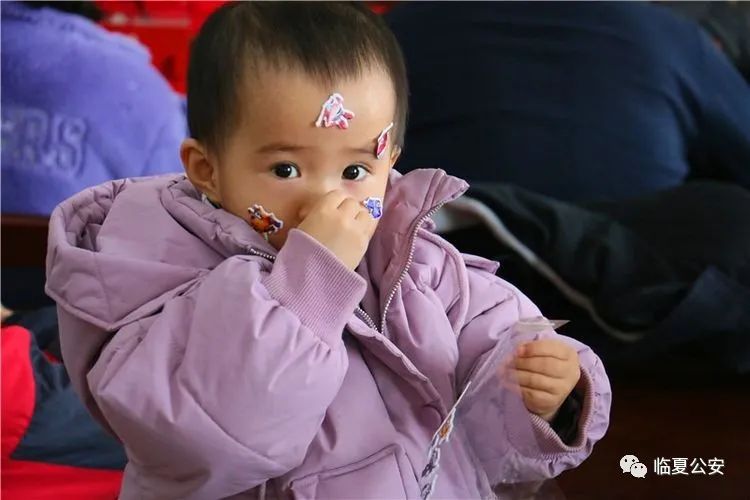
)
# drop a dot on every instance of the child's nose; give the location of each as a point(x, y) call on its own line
point(315, 191)
point(309, 202)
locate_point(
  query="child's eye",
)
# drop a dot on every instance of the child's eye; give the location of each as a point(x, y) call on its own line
point(286, 170)
point(355, 173)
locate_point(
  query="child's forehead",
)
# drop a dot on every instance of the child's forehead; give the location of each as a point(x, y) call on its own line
point(289, 103)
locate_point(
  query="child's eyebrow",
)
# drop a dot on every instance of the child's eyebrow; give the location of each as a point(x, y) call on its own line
point(283, 147)
point(291, 148)
point(368, 150)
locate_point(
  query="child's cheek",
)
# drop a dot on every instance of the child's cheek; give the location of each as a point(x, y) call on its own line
point(277, 240)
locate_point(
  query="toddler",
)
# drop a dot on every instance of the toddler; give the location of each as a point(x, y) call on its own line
point(281, 322)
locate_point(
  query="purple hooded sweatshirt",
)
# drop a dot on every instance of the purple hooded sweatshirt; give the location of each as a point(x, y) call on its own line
point(80, 106)
point(230, 369)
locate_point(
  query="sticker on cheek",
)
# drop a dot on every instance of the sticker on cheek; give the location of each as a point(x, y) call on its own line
point(334, 114)
point(263, 221)
point(374, 205)
point(382, 143)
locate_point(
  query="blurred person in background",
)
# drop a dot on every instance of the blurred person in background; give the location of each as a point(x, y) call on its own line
point(613, 140)
point(727, 22)
point(577, 101)
point(80, 106)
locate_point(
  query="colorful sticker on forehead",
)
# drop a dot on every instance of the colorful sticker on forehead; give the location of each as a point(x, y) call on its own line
point(264, 222)
point(382, 143)
point(334, 114)
point(374, 205)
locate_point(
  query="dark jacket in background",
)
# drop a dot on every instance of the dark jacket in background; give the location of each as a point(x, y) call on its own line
point(578, 101)
point(653, 284)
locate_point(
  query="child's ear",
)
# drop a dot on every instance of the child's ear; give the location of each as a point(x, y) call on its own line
point(200, 169)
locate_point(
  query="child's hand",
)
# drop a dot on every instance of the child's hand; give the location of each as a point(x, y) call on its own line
point(547, 371)
point(341, 224)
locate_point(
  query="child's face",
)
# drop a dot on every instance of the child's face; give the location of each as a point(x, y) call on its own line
point(279, 159)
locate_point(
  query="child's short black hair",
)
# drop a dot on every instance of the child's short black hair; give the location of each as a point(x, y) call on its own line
point(327, 40)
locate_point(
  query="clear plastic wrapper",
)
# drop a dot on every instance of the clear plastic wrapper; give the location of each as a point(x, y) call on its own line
point(488, 436)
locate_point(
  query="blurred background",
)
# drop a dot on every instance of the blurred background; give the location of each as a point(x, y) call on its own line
point(607, 144)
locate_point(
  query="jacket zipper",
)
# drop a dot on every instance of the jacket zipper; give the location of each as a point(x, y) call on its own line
point(265, 255)
point(367, 319)
point(363, 315)
point(401, 277)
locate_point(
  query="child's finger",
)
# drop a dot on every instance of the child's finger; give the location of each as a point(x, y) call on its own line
point(546, 347)
point(506, 364)
point(350, 207)
point(506, 377)
point(330, 200)
point(546, 365)
point(536, 381)
point(538, 400)
point(510, 385)
point(366, 218)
